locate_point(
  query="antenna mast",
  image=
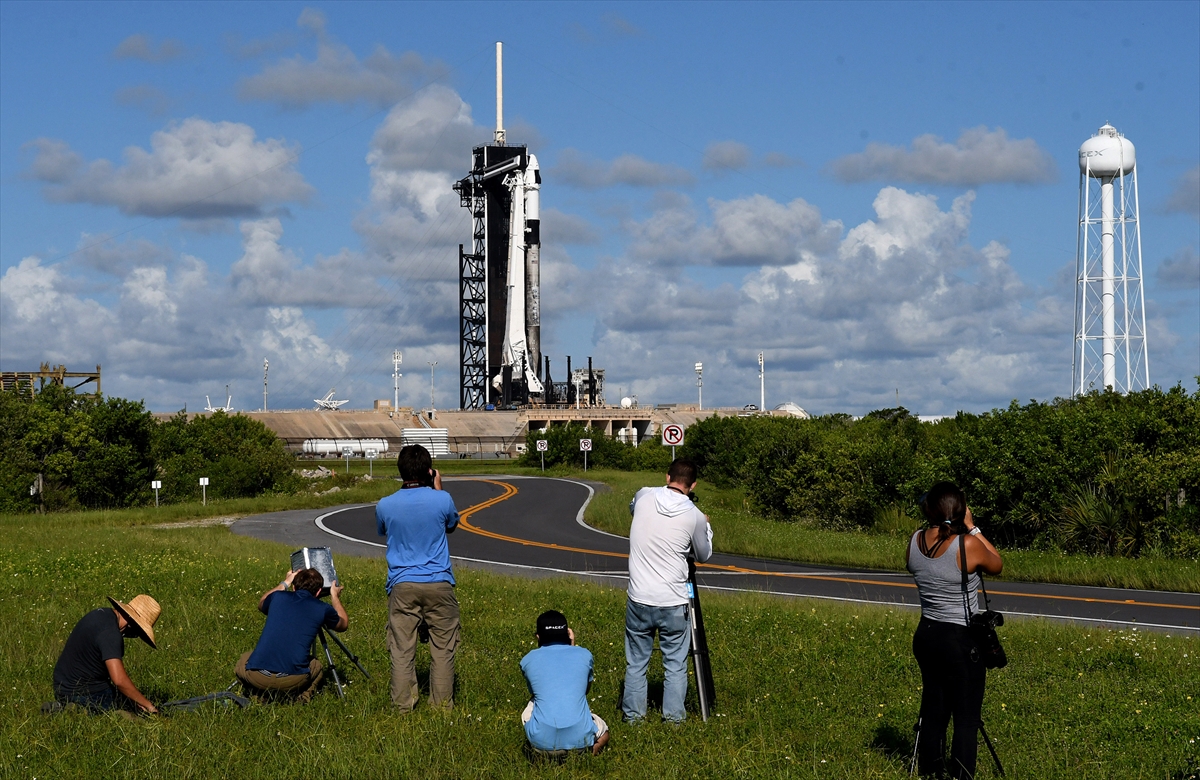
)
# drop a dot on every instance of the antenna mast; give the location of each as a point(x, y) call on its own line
point(762, 386)
point(266, 365)
point(499, 94)
point(397, 358)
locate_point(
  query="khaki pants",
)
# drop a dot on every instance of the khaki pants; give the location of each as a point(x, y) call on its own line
point(301, 686)
point(408, 603)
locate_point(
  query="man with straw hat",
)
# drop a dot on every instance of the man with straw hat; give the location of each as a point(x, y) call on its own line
point(90, 671)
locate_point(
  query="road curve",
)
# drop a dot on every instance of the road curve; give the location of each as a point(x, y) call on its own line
point(535, 525)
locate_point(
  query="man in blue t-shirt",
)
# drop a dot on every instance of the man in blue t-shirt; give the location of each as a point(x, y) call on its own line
point(559, 675)
point(280, 664)
point(420, 584)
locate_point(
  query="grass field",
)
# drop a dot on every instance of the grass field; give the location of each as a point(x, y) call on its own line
point(805, 689)
point(739, 530)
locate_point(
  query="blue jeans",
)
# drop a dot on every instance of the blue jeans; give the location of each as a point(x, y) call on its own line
point(100, 701)
point(674, 640)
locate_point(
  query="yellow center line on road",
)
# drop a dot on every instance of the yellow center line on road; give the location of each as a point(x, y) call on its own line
point(510, 491)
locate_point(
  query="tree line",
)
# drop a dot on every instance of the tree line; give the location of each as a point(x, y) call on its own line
point(1103, 473)
point(61, 451)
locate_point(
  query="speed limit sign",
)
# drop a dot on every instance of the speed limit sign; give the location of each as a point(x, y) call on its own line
point(543, 445)
point(585, 445)
point(672, 435)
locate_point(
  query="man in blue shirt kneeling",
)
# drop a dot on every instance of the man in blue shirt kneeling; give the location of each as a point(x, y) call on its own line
point(559, 675)
point(280, 664)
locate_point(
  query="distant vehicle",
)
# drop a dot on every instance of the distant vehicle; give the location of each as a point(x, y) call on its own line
point(750, 408)
point(327, 404)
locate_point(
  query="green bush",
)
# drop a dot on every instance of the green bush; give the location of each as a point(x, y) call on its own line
point(1103, 473)
point(240, 456)
point(563, 443)
point(90, 452)
point(102, 453)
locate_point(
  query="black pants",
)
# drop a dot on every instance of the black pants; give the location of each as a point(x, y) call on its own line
point(953, 678)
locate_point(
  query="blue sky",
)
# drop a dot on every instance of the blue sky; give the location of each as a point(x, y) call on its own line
point(881, 197)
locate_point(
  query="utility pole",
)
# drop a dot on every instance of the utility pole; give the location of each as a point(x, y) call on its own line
point(266, 365)
point(397, 358)
point(700, 386)
point(431, 403)
point(762, 386)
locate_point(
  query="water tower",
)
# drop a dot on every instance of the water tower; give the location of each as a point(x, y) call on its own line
point(1110, 312)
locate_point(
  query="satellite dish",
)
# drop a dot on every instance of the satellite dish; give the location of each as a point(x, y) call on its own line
point(626, 403)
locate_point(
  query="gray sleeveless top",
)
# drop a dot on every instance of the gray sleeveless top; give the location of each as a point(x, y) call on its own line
point(939, 582)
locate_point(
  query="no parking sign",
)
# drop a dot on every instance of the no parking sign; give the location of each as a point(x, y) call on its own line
point(585, 446)
point(542, 445)
point(672, 436)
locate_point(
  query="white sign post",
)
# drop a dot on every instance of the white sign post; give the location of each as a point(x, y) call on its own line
point(542, 446)
point(371, 456)
point(672, 435)
point(204, 491)
point(585, 446)
point(347, 451)
point(156, 484)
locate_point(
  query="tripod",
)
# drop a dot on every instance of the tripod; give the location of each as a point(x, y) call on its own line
point(337, 681)
point(912, 769)
point(705, 689)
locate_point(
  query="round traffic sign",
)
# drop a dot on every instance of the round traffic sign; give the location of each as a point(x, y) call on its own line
point(672, 435)
point(543, 445)
point(585, 445)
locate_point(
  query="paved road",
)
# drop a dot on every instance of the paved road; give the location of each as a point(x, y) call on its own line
point(535, 526)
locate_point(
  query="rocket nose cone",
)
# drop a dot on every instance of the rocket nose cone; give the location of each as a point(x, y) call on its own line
point(533, 163)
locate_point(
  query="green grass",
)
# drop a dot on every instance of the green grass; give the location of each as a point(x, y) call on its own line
point(805, 690)
point(737, 529)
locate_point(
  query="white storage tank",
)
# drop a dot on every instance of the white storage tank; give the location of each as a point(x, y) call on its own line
point(358, 447)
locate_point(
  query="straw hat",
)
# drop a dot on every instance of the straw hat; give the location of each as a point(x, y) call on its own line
point(142, 612)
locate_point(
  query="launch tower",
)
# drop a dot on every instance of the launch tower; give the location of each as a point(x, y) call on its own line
point(500, 278)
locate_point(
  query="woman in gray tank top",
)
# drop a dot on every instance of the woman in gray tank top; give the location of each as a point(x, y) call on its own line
point(952, 672)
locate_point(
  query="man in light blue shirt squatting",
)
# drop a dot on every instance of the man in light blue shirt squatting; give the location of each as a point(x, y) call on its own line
point(420, 584)
point(559, 675)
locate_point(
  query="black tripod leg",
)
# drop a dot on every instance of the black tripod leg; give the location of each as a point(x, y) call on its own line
point(987, 741)
point(912, 767)
point(353, 658)
point(329, 657)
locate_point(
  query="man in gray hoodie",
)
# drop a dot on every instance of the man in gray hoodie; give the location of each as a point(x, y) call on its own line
point(667, 526)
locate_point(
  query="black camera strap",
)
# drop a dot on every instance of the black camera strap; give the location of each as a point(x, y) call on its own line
point(962, 552)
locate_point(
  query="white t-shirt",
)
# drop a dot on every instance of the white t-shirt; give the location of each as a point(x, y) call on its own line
point(666, 527)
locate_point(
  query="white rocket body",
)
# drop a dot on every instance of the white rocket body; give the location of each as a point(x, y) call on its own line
point(521, 302)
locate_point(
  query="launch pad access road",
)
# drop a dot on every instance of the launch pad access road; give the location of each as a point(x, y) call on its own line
point(533, 526)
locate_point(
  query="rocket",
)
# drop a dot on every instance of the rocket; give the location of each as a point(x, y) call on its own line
point(500, 310)
point(523, 318)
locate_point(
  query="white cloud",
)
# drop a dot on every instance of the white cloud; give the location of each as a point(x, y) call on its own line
point(726, 156)
point(580, 170)
point(169, 333)
point(900, 301)
point(752, 231)
point(1181, 271)
point(148, 98)
point(140, 47)
point(781, 160)
point(270, 274)
point(337, 75)
point(1185, 197)
point(194, 169)
point(559, 227)
point(979, 156)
